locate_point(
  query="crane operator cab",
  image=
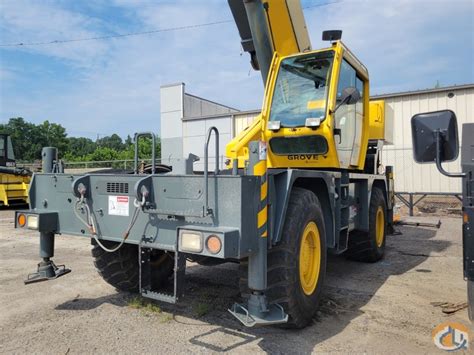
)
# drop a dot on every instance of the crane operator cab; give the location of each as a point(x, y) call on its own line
point(315, 113)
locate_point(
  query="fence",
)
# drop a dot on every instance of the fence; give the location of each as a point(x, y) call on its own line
point(116, 164)
point(120, 164)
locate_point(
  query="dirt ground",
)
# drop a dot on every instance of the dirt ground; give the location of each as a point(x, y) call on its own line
point(367, 308)
point(431, 206)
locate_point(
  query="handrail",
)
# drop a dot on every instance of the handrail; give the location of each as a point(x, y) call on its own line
point(153, 150)
point(206, 164)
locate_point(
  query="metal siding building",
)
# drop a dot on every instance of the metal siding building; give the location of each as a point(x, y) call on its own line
point(409, 175)
point(185, 121)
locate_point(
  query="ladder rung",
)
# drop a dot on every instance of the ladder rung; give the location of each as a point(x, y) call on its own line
point(146, 289)
point(159, 296)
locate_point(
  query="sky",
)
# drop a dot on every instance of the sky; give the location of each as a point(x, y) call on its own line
point(99, 87)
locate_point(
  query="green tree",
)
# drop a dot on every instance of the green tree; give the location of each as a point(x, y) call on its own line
point(113, 142)
point(53, 135)
point(80, 146)
point(102, 153)
point(29, 139)
point(128, 141)
point(26, 138)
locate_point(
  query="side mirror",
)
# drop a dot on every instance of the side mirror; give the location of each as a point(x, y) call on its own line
point(349, 96)
point(435, 138)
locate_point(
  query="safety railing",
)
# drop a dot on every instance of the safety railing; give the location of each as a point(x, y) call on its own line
point(153, 150)
point(206, 164)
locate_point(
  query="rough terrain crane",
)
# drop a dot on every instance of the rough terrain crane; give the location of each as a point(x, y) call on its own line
point(302, 181)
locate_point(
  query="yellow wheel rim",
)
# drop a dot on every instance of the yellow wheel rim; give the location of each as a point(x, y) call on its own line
point(310, 258)
point(379, 226)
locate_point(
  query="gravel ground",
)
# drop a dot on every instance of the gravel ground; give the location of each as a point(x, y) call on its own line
point(366, 308)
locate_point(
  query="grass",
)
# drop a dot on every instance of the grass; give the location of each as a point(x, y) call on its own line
point(146, 306)
point(149, 307)
point(168, 317)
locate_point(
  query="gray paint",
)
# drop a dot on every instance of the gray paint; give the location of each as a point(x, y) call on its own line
point(326, 185)
point(49, 155)
point(467, 162)
point(257, 265)
point(175, 201)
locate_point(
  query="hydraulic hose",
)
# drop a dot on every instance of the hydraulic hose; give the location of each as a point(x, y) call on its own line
point(90, 222)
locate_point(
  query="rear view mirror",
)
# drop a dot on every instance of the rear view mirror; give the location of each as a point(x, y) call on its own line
point(350, 95)
point(426, 127)
point(435, 138)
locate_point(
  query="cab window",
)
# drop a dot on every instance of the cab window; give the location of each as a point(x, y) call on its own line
point(349, 117)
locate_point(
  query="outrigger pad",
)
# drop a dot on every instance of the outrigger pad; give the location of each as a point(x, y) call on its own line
point(47, 270)
point(275, 315)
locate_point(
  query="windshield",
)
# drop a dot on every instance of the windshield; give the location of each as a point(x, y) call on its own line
point(301, 89)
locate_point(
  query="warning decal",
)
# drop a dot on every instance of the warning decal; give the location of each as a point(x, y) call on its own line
point(118, 205)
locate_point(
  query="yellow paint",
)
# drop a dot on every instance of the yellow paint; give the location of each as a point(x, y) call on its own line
point(263, 191)
point(283, 35)
point(316, 104)
point(260, 169)
point(377, 122)
point(310, 258)
point(13, 188)
point(287, 26)
point(379, 226)
point(236, 149)
point(262, 217)
point(3, 195)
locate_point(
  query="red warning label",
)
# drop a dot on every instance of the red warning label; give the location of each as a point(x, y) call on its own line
point(118, 205)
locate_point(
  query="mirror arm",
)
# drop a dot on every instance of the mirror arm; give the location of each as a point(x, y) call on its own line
point(438, 158)
point(341, 103)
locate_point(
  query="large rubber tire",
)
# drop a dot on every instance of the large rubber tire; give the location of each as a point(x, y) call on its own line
point(283, 275)
point(120, 268)
point(370, 247)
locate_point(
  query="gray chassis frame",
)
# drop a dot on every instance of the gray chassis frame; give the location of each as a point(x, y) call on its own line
point(177, 202)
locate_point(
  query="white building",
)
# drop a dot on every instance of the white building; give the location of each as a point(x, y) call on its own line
point(186, 118)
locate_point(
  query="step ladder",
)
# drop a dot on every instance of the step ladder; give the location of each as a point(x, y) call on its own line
point(145, 276)
point(343, 212)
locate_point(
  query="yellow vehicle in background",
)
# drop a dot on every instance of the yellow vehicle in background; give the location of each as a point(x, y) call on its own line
point(14, 181)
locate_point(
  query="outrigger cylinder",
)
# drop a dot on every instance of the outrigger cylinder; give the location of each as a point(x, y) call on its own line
point(47, 270)
point(258, 311)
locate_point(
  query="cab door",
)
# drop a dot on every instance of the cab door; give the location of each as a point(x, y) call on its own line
point(348, 119)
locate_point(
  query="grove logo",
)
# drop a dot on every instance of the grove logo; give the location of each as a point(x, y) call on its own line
point(451, 336)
